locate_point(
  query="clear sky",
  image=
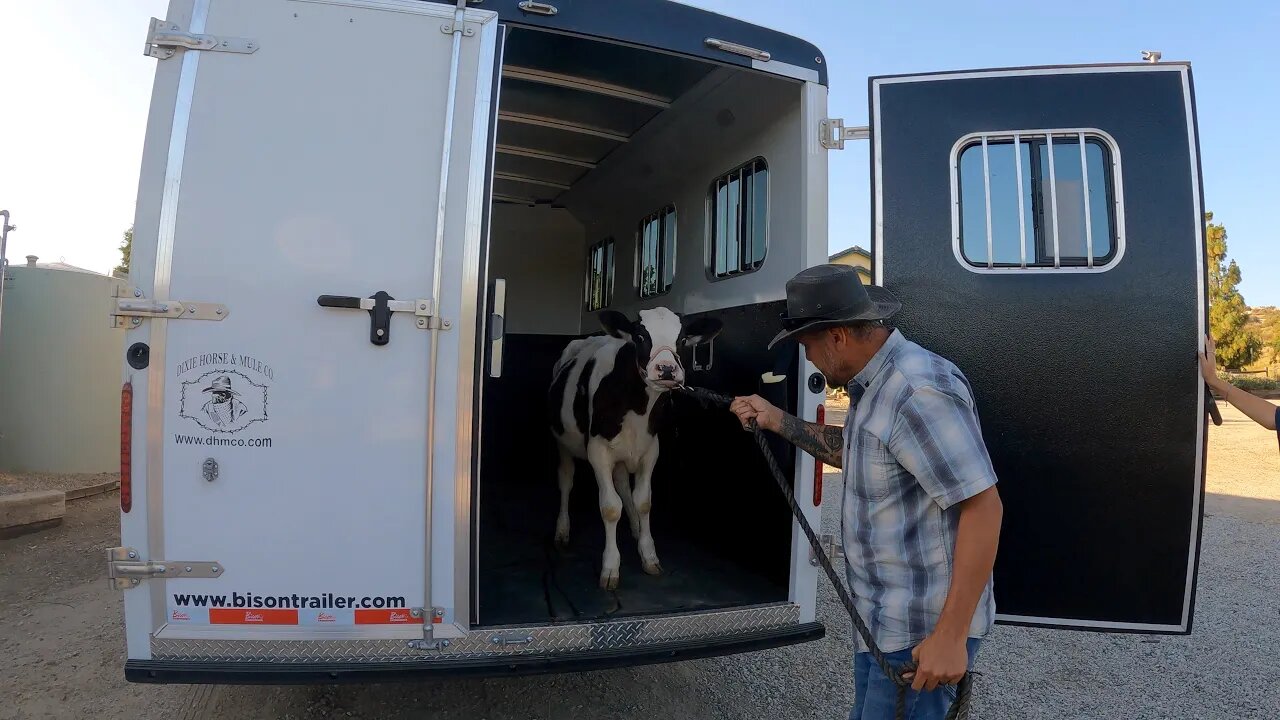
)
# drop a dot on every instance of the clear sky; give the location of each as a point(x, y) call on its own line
point(75, 87)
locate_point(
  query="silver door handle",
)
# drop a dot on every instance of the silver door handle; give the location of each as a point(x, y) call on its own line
point(497, 327)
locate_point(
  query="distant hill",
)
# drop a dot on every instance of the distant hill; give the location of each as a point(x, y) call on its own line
point(1265, 321)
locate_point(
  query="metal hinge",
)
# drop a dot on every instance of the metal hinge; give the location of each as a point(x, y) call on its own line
point(165, 38)
point(130, 307)
point(832, 133)
point(538, 8)
point(833, 550)
point(125, 569)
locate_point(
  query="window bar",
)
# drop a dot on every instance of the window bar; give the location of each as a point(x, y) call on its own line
point(740, 222)
point(1022, 213)
point(1053, 200)
point(748, 201)
point(986, 184)
point(720, 225)
point(609, 265)
point(1088, 221)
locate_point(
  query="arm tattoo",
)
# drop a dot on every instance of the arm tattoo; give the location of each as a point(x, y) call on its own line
point(824, 442)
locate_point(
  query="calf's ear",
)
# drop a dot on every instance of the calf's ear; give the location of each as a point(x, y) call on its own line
point(616, 324)
point(700, 331)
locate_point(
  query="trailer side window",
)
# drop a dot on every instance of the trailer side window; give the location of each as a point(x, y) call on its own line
point(656, 252)
point(1046, 199)
point(739, 208)
point(599, 284)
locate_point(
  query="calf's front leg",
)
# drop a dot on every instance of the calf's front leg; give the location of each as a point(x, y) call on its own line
point(643, 498)
point(610, 511)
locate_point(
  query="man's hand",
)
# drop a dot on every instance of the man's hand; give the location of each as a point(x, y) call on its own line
point(767, 416)
point(939, 661)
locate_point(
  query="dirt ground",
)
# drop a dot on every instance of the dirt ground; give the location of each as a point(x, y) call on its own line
point(62, 646)
point(26, 482)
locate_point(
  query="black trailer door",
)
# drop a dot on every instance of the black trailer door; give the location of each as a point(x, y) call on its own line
point(1043, 228)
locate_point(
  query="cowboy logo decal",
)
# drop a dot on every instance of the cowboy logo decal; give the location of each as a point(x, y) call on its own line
point(224, 401)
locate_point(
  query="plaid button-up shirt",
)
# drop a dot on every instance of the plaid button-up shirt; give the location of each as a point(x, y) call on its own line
point(913, 449)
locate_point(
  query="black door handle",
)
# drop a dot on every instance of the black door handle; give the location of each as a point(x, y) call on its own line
point(379, 308)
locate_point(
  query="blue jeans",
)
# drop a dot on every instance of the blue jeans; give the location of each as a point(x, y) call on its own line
point(877, 697)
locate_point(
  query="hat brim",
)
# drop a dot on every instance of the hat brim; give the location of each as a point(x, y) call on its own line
point(883, 306)
point(229, 391)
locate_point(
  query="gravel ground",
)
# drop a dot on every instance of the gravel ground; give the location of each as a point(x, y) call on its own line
point(63, 646)
point(26, 482)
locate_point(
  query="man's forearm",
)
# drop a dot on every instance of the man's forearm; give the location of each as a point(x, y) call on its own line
point(977, 538)
point(824, 442)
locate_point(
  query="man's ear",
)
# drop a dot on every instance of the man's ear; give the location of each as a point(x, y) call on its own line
point(616, 324)
point(700, 331)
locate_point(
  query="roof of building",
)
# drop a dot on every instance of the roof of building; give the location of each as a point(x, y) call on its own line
point(854, 249)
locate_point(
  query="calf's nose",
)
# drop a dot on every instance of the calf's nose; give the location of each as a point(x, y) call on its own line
point(666, 372)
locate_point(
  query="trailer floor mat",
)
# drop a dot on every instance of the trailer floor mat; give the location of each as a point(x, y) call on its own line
point(524, 578)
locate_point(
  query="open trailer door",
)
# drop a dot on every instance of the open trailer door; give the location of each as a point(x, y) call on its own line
point(1043, 228)
point(310, 203)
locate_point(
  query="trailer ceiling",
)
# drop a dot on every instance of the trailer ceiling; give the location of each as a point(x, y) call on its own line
point(567, 102)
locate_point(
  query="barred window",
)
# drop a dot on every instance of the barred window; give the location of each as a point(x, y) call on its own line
point(1046, 199)
point(600, 261)
point(739, 207)
point(656, 247)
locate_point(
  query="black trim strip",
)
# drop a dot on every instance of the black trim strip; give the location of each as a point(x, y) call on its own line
point(663, 25)
point(282, 673)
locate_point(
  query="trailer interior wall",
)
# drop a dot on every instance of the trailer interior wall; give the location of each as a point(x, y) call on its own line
point(721, 529)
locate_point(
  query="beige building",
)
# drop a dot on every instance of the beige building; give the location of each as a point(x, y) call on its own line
point(60, 371)
point(857, 257)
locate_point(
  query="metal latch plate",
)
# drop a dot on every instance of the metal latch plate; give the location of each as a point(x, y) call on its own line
point(130, 307)
point(165, 38)
point(832, 133)
point(126, 570)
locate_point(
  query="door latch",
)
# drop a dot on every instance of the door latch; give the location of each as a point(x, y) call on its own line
point(165, 38)
point(126, 570)
point(832, 133)
point(381, 306)
point(130, 307)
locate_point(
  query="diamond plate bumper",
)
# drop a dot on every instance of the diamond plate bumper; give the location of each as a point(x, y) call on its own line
point(556, 648)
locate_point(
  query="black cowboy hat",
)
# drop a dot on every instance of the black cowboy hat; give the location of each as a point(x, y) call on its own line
point(829, 295)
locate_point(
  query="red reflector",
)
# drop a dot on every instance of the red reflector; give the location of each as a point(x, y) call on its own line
point(126, 447)
point(227, 616)
point(401, 616)
point(821, 419)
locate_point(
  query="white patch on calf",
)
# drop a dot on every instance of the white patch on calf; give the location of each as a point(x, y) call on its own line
point(663, 364)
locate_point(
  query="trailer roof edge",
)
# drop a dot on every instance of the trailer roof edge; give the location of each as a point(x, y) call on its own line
point(668, 26)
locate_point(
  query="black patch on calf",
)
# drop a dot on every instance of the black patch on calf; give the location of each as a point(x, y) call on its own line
point(581, 408)
point(555, 398)
point(620, 391)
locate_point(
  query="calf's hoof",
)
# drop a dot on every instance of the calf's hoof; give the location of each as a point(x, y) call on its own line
point(609, 579)
point(562, 539)
point(653, 568)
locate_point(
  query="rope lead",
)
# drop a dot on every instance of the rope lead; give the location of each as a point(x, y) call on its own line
point(960, 708)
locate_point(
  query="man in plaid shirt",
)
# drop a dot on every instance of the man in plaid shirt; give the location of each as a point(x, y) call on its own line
point(921, 514)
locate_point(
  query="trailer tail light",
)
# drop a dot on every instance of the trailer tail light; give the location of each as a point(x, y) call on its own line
point(821, 419)
point(126, 447)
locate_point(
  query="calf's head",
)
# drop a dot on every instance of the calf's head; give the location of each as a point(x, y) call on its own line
point(658, 334)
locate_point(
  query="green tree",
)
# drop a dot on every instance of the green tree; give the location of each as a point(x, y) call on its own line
point(1228, 314)
point(126, 250)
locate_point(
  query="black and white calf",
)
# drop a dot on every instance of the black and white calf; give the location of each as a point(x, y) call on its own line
point(607, 401)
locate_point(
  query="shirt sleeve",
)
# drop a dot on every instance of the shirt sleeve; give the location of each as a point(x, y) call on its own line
point(937, 438)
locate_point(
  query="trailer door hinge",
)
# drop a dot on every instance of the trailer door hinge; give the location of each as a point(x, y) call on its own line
point(126, 570)
point(130, 307)
point(833, 550)
point(165, 38)
point(832, 133)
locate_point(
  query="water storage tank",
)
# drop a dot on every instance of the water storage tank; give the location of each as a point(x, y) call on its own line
point(59, 371)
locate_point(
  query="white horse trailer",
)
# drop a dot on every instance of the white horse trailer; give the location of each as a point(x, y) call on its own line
point(366, 229)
